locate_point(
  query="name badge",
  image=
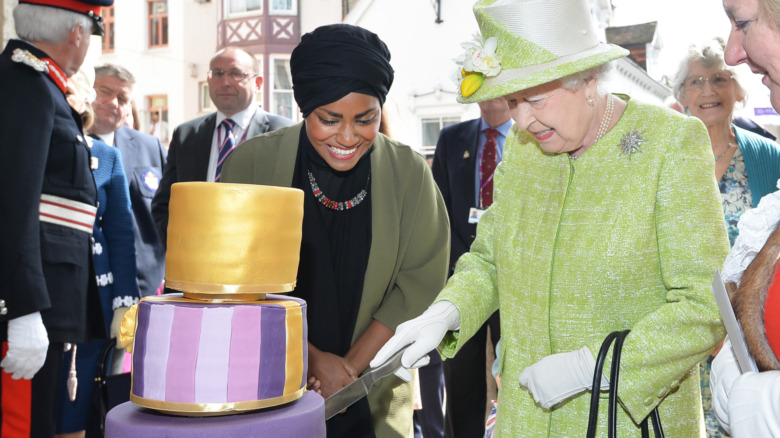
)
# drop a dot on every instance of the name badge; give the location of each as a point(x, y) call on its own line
point(475, 214)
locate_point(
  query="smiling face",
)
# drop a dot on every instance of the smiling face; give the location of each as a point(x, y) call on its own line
point(714, 105)
point(558, 117)
point(342, 131)
point(754, 40)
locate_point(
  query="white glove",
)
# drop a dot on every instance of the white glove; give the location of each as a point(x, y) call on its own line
point(754, 405)
point(724, 372)
point(557, 377)
point(116, 321)
point(27, 345)
point(424, 333)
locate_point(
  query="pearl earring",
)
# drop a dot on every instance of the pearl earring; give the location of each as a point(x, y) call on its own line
point(591, 101)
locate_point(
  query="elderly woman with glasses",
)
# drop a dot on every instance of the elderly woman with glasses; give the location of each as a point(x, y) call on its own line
point(747, 165)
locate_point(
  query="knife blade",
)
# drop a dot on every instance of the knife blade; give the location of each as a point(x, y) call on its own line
point(348, 395)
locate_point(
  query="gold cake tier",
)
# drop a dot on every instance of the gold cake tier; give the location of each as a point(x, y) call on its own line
point(233, 239)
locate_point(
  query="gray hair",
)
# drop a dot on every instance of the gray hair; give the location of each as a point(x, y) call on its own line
point(599, 72)
point(710, 55)
point(116, 71)
point(48, 25)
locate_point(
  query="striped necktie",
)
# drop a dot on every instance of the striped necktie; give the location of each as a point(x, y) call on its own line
point(226, 146)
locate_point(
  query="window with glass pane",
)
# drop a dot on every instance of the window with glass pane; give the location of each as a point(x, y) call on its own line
point(431, 127)
point(158, 23)
point(108, 24)
point(282, 94)
point(282, 6)
point(239, 6)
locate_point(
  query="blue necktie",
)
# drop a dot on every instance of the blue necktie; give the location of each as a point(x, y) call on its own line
point(227, 145)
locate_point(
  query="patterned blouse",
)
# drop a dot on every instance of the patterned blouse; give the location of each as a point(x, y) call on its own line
point(735, 192)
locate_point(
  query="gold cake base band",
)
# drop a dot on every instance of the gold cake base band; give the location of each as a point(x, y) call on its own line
point(227, 290)
point(213, 409)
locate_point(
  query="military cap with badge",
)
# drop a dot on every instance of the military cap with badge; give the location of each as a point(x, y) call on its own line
point(90, 8)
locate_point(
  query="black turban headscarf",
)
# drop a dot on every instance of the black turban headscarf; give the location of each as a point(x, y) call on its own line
point(335, 60)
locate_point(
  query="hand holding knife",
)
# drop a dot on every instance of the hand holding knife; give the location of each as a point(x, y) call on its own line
point(358, 389)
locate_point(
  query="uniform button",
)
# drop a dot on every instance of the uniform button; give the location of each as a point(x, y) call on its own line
point(648, 401)
point(660, 393)
point(675, 384)
point(3, 311)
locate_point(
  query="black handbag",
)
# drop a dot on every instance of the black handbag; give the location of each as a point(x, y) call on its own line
point(618, 338)
point(110, 390)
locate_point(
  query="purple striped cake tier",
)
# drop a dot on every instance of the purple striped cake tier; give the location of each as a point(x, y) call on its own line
point(203, 358)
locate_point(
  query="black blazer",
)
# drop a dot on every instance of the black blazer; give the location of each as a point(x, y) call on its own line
point(454, 164)
point(143, 157)
point(189, 153)
point(43, 266)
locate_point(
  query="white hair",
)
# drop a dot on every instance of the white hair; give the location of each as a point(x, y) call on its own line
point(709, 54)
point(47, 24)
point(599, 72)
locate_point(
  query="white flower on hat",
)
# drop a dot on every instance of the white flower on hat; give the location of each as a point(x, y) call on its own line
point(481, 56)
point(478, 61)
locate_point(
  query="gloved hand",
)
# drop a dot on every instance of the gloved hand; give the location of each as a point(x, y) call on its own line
point(116, 321)
point(560, 376)
point(424, 333)
point(724, 372)
point(754, 405)
point(27, 345)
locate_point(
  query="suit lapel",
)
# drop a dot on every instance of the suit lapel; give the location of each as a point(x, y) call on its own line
point(258, 125)
point(466, 159)
point(201, 155)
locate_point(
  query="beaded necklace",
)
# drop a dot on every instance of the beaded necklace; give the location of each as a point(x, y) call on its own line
point(333, 205)
point(604, 126)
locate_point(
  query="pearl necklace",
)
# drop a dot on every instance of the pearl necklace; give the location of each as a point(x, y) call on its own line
point(607, 118)
point(604, 126)
point(334, 205)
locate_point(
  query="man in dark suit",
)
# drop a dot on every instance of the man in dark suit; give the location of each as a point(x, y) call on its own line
point(48, 295)
point(463, 165)
point(199, 147)
point(143, 157)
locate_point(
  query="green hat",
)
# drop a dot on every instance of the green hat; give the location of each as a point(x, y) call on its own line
point(526, 43)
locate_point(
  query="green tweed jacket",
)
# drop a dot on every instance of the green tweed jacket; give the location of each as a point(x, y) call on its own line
point(621, 238)
point(410, 245)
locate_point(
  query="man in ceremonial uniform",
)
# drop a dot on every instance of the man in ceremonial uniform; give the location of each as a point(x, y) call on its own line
point(48, 295)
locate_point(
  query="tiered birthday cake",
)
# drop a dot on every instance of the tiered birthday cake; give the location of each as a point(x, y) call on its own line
point(222, 346)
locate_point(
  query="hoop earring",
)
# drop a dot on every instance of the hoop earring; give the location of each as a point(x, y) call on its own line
point(591, 101)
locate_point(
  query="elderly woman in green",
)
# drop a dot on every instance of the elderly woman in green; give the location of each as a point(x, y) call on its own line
point(606, 216)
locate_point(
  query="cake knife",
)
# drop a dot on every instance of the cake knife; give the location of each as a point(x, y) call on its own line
point(358, 389)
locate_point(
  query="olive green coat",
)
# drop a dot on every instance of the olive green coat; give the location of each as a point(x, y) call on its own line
point(572, 250)
point(410, 244)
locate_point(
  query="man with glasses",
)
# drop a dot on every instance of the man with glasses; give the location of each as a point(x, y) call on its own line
point(199, 147)
point(143, 158)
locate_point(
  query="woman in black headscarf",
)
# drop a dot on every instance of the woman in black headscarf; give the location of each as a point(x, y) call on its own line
point(375, 243)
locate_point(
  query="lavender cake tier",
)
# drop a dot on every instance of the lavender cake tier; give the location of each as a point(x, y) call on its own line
point(302, 418)
point(203, 358)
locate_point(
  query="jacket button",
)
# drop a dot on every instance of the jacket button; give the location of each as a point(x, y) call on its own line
point(661, 392)
point(649, 401)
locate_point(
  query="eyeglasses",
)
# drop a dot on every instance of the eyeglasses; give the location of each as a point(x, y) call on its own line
point(717, 80)
point(236, 75)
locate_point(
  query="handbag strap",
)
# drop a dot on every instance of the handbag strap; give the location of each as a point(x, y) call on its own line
point(618, 337)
